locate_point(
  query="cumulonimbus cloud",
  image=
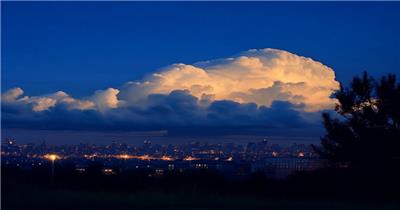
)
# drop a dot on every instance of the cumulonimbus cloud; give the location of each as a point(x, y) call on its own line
point(257, 77)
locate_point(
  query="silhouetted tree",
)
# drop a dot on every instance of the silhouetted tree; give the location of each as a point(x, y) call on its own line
point(367, 133)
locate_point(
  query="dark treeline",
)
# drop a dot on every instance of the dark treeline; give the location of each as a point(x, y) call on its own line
point(366, 135)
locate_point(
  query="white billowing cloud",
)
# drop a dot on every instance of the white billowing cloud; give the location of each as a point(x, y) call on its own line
point(255, 76)
point(45, 102)
point(106, 99)
point(259, 76)
point(42, 103)
point(71, 103)
point(11, 95)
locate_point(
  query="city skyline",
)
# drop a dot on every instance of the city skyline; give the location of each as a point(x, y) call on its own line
point(227, 158)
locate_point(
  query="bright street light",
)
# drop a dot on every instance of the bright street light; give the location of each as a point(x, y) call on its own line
point(53, 158)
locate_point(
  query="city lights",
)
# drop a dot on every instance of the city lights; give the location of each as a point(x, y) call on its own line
point(52, 157)
point(190, 158)
point(180, 157)
point(124, 156)
point(167, 158)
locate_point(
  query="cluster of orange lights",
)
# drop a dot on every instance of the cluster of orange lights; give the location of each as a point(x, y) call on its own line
point(90, 156)
point(52, 157)
point(167, 158)
point(164, 157)
point(124, 156)
point(144, 157)
point(148, 157)
point(190, 158)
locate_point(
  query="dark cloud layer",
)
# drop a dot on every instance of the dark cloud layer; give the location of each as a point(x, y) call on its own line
point(178, 112)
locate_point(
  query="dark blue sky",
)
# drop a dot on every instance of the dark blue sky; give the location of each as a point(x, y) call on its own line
point(80, 47)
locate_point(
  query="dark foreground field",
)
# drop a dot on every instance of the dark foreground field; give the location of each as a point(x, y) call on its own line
point(56, 199)
point(34, 190)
